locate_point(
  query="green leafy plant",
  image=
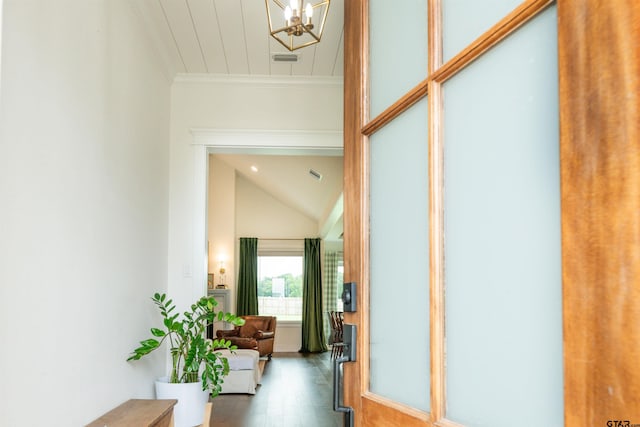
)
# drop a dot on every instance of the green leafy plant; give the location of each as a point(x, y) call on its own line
point(194, 357)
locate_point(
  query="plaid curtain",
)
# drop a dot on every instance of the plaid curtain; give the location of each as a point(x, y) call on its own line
point(330, 288)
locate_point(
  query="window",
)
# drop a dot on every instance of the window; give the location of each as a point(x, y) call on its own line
point(280, 286)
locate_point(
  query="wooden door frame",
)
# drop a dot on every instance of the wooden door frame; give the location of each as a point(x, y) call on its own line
point(354, 180)
point(599, 69)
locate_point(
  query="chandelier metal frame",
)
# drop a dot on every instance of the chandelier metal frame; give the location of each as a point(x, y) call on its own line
point(295, 26)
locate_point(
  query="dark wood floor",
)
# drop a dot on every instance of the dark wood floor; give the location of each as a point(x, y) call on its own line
point(296, 391)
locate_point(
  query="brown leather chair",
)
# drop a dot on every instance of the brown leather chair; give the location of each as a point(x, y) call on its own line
point(257, 333)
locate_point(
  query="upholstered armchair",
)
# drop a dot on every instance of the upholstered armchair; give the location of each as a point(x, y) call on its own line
point(257, 333)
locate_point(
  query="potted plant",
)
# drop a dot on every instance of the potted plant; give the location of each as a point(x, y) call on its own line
point(197, 368)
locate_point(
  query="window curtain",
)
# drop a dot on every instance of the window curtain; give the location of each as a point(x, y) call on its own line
point(247, 298)
point(313, 338)
point(330, 289)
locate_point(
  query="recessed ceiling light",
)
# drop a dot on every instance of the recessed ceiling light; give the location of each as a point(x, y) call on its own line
point(254, 168)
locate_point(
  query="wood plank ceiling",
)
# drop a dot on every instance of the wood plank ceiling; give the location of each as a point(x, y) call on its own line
point(231, 37)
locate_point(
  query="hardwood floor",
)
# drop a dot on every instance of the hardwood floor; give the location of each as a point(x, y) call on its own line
point(296, 391)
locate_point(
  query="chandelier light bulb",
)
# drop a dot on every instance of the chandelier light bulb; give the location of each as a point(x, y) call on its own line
point(309, 10)
point(294, 6)
point(287, 13)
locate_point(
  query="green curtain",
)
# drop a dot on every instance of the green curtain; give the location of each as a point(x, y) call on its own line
point(247, 298)
point(313, 339)
point(330, 288)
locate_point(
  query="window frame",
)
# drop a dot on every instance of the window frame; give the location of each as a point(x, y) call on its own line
point(281, 248)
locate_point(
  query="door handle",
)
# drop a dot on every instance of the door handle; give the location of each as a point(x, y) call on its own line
point(348, 355)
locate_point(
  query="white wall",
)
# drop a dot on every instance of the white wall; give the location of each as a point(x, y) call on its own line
point(269, 104)
point(221, 220)
point(83, 209)
point(259, 214)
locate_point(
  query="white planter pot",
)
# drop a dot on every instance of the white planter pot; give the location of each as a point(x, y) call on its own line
point(189, 411)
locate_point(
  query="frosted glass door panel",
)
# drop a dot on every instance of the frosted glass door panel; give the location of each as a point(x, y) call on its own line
point(463, 21)
point(398, 50)
point(399, 259)
point(502, 235)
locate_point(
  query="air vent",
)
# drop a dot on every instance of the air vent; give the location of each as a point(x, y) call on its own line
point(285, 57)
point(317, 175)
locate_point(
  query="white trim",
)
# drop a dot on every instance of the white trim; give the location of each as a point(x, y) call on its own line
point(200, 250)
point(289, 324)
point(258, 80)
point(206, 141)
point(265, 140)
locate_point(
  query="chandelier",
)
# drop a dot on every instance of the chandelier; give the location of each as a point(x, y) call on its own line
point(293, 26)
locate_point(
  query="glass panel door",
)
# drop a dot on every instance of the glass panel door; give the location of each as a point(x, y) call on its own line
point(502, 234)
point(463, 21)
point(458, 262)
point(399, 260)
point(398, 50)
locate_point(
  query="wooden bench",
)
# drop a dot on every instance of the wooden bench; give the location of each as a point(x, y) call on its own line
point(138, 413)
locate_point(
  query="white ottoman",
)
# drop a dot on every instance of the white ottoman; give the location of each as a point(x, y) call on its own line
point(244, 372)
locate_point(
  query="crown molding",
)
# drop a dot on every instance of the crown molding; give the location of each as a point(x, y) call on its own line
point(259, 80)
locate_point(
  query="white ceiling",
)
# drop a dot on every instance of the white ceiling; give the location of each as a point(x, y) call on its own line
point(231, 37)
point(287, 179)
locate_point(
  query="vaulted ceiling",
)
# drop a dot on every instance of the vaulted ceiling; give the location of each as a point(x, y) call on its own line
point(289, 179)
